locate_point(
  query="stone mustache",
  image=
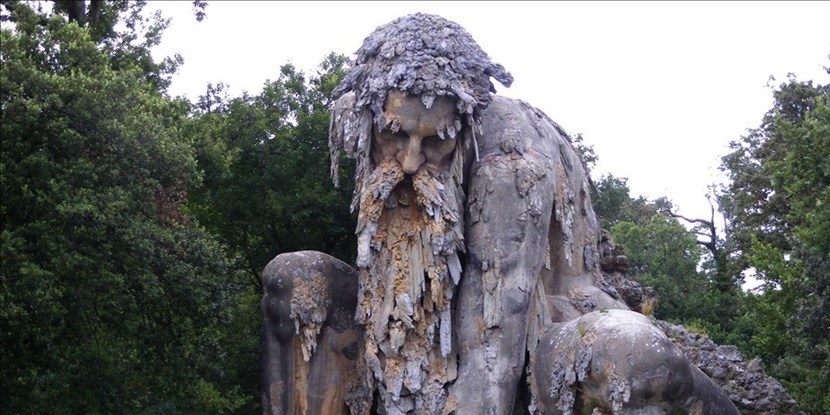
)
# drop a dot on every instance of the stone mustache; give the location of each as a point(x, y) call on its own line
point(478, 286)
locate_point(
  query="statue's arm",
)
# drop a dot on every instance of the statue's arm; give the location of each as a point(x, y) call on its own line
point(509, 204)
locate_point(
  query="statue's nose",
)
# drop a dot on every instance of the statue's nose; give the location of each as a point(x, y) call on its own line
point(410, 157)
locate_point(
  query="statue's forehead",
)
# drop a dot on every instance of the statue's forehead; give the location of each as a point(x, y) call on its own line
point(401, 103)
point(411, 114)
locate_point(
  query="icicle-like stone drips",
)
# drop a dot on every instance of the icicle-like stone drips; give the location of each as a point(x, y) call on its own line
point(409, 270)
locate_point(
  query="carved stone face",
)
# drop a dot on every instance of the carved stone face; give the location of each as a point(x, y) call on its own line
point(410, 233)
point(412, 133)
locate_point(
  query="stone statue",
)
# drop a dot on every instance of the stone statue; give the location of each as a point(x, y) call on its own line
point(478, 286)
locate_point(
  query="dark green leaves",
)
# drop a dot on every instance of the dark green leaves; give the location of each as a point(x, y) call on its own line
point(778, 206)
point(267, 189)
point(113, 300)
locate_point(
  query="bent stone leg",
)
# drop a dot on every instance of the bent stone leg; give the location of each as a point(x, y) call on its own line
point(311, 343)
point(619, 362)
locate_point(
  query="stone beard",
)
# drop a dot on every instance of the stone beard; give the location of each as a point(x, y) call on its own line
point(410, 231)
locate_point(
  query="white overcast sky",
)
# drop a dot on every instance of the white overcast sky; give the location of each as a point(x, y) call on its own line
point(658, 88)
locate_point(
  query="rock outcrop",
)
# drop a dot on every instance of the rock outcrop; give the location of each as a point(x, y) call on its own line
point(752, 391)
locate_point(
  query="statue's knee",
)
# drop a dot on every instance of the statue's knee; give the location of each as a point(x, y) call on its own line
point(660, 373)
point(616, 358)
point(636, 357)
point(278, 275)
point(307, 285)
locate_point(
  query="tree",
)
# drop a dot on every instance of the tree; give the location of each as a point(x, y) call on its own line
point(724, 279)
point(119, 27)
point(776, 203)
point(661, 253)
point(266, 161)
point(113, 299)
point(706, 234)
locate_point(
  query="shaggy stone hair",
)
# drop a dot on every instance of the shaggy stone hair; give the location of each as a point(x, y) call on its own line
point(424, 55)
point(420, 54)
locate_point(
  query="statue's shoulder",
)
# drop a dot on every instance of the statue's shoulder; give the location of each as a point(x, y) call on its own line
point(506, 113)
point(501, 104)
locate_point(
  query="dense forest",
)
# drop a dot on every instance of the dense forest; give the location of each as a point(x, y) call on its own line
point(135, 225)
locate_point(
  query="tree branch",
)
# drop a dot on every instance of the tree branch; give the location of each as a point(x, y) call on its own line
point(700, 221)
point(709, 225)
point(12, 6)
point(94, 12)
point(75, 10)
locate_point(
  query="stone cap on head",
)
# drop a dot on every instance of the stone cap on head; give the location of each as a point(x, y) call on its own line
point(425, 55)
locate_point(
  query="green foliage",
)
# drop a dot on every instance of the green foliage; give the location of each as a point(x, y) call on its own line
point(613, 203)
point(586, 152)
point(764, 171)
point(777, 205)
point(611, 200)
point(266, 162)
point(662, 254)
point(112, 300)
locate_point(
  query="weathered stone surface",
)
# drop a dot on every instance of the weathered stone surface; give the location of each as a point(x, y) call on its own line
point(617, 361)
point(480, 260)
point(418, 54)
point(311, 343)
point(512, 191)
point(615, 281)
point(422, 55)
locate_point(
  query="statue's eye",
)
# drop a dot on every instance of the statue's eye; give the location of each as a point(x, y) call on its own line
point(390, 137)
point(432, 141)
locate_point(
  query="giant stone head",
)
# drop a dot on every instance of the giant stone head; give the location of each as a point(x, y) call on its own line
point(419, 55)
